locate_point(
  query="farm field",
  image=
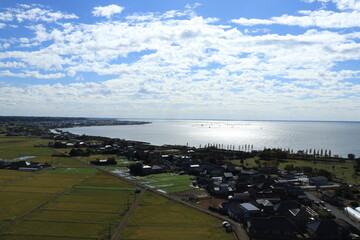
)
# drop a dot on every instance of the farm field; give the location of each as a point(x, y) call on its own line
point(167, 182)
point(157, 217)
point(15, 147)
point(121, 160)
point(344, 170)
point(340, 170)
point(73, 200)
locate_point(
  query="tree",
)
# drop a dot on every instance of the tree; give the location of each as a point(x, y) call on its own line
point(325, 173)
point(351, 156)
point(289, 167)
point(136, 169)
point(307, 170)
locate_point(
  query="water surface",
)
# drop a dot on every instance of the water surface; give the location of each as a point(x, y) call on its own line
point(339, 137)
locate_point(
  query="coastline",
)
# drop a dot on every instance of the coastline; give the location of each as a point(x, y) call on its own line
point(339, 137)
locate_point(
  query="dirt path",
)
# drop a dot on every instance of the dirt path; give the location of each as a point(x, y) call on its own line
point(239, 232)
point(29, 212)
point(26, 214)
point(119, 229)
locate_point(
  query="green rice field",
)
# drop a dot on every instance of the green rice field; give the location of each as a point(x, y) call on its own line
point(168, 182)
point(73, 200)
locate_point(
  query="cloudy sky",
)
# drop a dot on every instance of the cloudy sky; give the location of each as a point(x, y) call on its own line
point(229, 59)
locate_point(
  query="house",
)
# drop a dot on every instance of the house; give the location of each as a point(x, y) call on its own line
point(231, 167)
point(102, 162)
point(299, 217)
point(328, 229)
point(250, 210)
point(331, 198)
point(241, 197)
point(238, 211)
point(17, 165)
point(271, 228)
point(318, 181)
point(268, 170)
point(233, 210)
point(195, 169)
point(269, 195)
point(4, 163)
point(265, 206)
point(228, 175)
point(296, 193)
point(221, 190)
point(283, 207)
point(146, 170)
point(25, 166)
point(156, 169)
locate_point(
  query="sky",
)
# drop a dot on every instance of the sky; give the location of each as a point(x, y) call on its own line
point(229, 59)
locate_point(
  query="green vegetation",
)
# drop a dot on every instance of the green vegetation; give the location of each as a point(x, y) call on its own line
point(73, 170)
point(160, 218)
point(15, 147)
point(73, 200)
point(53, 215)
point(168, 182)
point(341, 170)
point(106, 188)
point(56, 228)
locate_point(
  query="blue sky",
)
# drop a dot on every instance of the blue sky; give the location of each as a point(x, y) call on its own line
point(230, 59)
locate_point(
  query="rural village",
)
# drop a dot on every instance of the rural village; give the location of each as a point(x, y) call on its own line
point(253, 194)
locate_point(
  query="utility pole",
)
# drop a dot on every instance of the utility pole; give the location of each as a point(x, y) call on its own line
point(109, 230)
point(127, 202)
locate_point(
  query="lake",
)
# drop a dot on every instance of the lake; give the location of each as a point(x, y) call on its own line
point(339, 137)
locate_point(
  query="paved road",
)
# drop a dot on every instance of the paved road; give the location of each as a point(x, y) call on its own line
point(335, 211)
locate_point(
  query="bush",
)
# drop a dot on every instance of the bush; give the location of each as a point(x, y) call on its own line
point(136, 169)
point(354, 204)
point(289, 167)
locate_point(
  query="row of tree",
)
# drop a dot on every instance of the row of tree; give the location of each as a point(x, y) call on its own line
point(244, 148)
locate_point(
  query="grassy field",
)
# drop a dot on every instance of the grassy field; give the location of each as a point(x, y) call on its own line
point(86, 206)
point(175, 233)
point(343, 171)
point(119, 159)
point(160, 218)
point(15, 147)
point(53, 215)
point(168, 182)
point(72, 200)
point(57, 228)
point(106, 180)
point(71, 170)
point(14, 204)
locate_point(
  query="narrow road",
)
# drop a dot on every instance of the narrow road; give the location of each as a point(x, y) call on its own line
point(239, 232)
point(41, 205)
point(335, 211)
point(119, 229)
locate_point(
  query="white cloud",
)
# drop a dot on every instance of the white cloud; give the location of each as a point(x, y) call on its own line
point(341, 4)
point(33, 13)
point(34, 74)
point(180, 59)
point(107, 11)
point(321, 19)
